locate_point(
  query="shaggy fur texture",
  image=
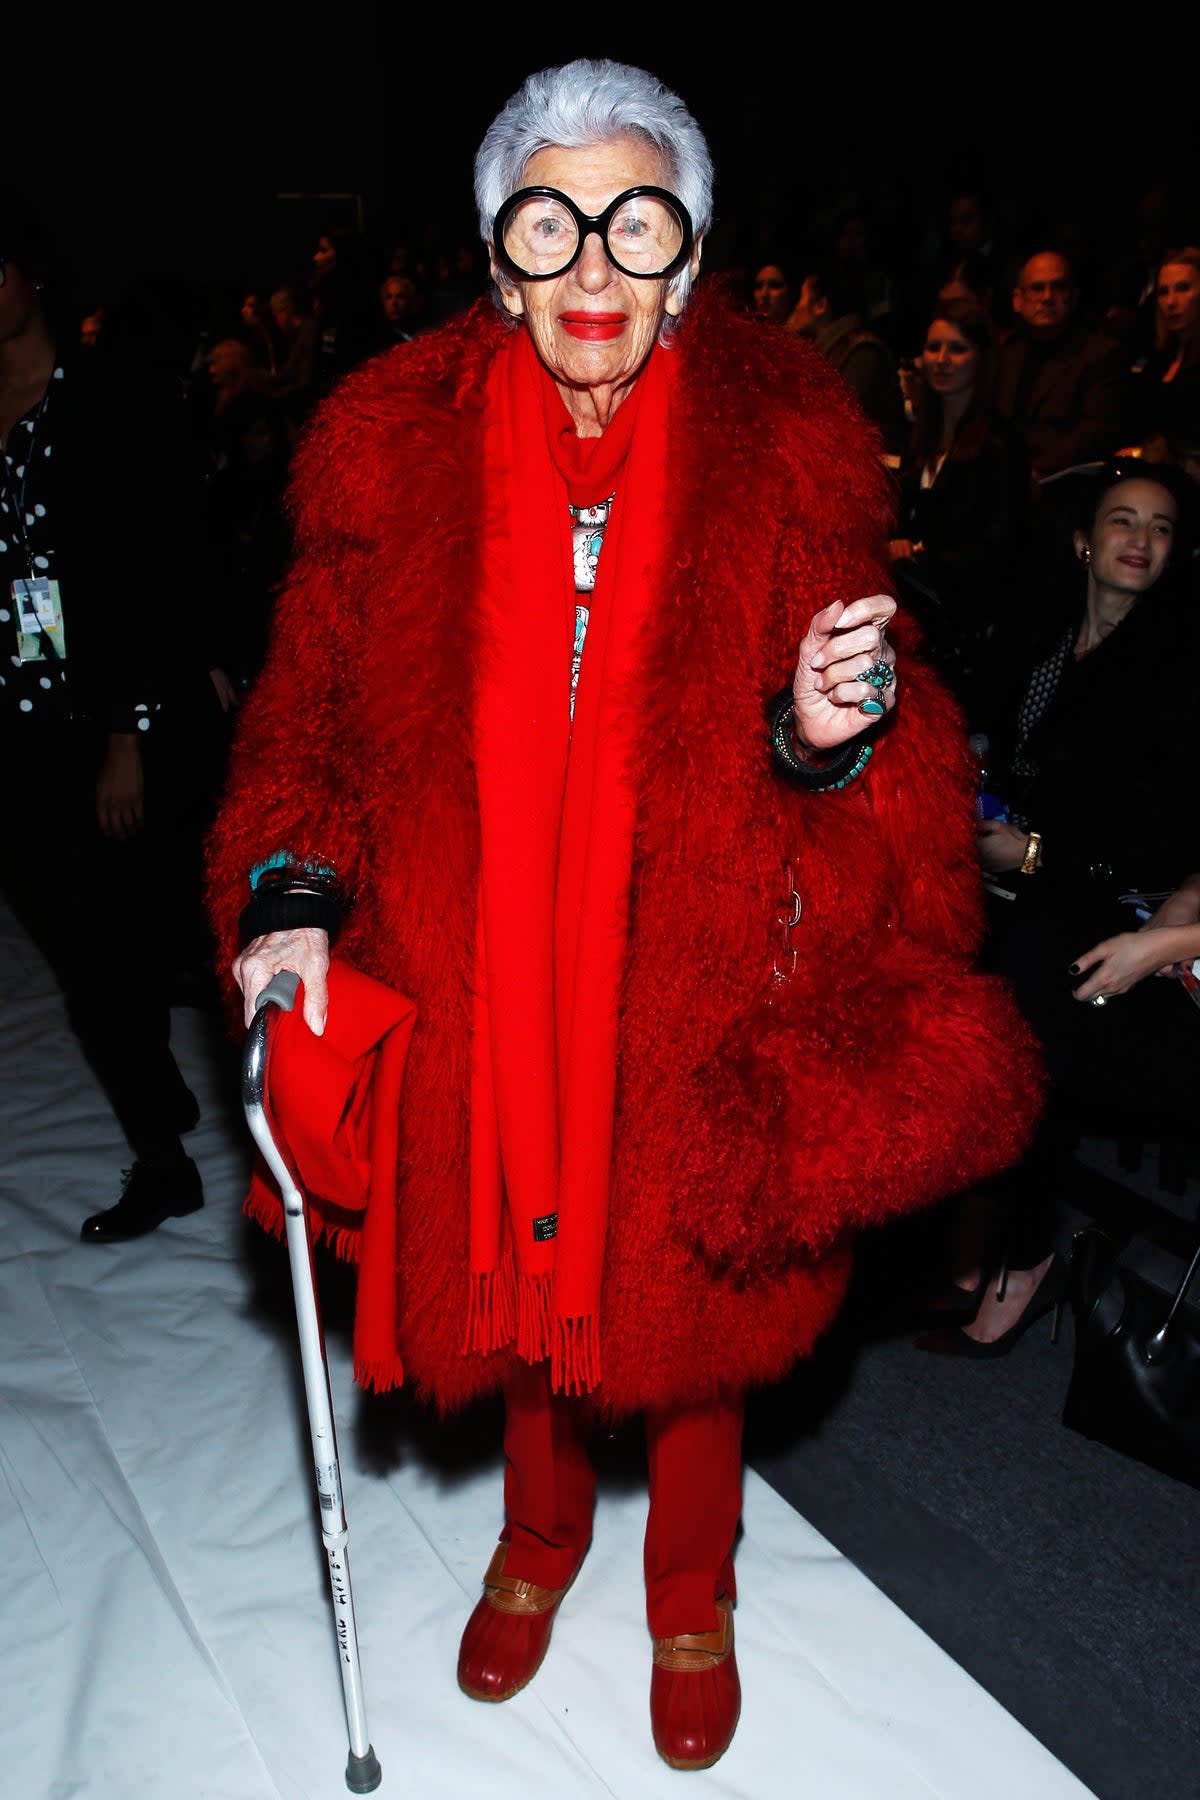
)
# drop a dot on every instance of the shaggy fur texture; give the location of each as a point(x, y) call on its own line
point(755, 1129)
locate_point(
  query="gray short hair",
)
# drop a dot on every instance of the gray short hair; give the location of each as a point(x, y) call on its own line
point(593, 102)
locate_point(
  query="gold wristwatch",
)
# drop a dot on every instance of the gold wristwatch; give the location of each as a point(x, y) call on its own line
point(1029, 861)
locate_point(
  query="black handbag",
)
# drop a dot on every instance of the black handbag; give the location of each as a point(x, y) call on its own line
point(1135, 1384)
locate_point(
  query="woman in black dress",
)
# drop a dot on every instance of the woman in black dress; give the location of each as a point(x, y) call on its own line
point(1102, 839)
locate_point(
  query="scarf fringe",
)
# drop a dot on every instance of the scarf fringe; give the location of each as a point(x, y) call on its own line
point(378, 1377)
point(575, 1355)
point(491, 1310)
point(503, 1308)
point(533, 1317)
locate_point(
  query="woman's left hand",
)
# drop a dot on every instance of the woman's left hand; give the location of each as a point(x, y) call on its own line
point(1118, 963)
point(843, 642)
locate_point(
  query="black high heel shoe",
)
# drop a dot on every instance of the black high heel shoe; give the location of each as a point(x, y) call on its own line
point(1050, 1295)
point(954, 1305)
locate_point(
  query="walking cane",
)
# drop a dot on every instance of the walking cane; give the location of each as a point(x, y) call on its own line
point(363, 1773)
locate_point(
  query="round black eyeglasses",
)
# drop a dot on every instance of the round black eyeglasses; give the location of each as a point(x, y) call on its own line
point(539, 232)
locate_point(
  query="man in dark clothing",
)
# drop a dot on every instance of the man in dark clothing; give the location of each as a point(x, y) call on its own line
point(102, 703)
point(1059, 385)
point(829, 311)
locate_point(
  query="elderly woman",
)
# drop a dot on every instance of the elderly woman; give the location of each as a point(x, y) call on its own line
point(671, 959)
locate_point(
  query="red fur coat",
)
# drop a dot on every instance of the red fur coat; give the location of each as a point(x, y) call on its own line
point(750, 1138)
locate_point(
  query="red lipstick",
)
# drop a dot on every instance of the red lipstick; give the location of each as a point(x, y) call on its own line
point(593, 327)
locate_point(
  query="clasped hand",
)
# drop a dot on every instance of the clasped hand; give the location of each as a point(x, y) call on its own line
point(841, 644)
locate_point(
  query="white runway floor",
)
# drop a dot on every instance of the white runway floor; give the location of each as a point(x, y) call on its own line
point(165, 1626)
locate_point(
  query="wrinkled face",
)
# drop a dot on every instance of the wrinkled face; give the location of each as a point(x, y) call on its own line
point(592, 326)
point(949, 360)
point(1044, 296)
point(1178, 291)
point(1131, 536)
point(771, 297)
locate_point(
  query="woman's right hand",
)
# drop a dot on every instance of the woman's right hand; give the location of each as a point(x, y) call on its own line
point(305, 951)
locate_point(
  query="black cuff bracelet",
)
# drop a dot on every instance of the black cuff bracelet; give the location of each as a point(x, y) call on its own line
point(273, 909)
point(847, 758)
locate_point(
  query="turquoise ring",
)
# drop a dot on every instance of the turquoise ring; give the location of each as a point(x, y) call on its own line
point(879, 675)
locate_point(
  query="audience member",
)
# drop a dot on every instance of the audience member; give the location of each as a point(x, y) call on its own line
point(345, 303)
point(258, 331)
point(399, 305)
point(1133, 256)
point(247, 453)
point(972, 277)
point(1165, 392)
point(829, 312)
point(772, 296)
point(1059, 384)
point(294, 382)
point(964, 484)
point(963, 248)
point(1094, 817)
point(456, 281)
point(855, 261)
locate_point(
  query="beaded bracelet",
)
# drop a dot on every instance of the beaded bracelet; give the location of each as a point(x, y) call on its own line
point(838, 772)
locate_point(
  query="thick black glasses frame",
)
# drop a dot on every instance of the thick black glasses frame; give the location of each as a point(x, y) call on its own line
point(587, 225)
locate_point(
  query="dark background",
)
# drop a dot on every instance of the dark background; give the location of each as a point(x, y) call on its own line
point(156, 144)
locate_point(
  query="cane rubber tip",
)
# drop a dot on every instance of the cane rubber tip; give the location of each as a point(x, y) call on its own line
point(363, 1773)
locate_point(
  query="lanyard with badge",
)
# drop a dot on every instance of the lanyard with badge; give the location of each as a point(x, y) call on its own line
point(37, 601)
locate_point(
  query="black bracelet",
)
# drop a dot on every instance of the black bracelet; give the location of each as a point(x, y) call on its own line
point(844, 766)
point(274, 908)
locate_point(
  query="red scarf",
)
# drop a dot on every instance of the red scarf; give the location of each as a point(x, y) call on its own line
point(557, 810)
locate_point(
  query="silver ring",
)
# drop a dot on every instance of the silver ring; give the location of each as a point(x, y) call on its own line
point(879, 675)
point(1099, 999)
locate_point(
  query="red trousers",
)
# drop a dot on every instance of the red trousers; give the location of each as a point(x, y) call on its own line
point(695, 1463)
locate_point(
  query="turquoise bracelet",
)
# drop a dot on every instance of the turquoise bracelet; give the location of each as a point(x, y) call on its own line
point(286, 863)
point(840, 770)
point(864, 756)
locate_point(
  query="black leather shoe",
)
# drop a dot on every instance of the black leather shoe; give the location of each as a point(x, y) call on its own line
point(150, 1193)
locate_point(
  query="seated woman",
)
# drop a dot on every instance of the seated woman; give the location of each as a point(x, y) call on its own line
point(963, 489)
point(1095, 822)
point(1165, 392)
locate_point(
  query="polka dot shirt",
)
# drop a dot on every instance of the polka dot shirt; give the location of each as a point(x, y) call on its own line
point(35, 694)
